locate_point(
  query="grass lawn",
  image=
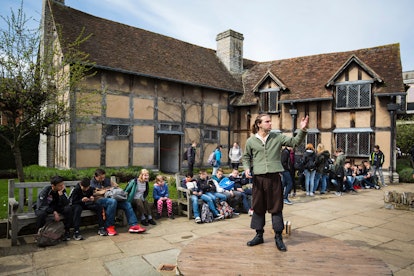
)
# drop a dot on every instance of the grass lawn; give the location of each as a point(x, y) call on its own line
point(3, 198)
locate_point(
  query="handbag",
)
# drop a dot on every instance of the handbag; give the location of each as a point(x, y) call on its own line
point(116, 193)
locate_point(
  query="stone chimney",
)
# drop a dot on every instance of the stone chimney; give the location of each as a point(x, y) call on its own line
point(230, 50)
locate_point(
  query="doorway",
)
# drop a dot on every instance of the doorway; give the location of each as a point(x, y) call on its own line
point(169, 153)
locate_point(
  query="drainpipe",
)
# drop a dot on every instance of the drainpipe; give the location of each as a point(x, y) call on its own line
point(230, 109)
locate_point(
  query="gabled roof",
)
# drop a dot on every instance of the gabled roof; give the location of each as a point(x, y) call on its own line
point(354, 59)
point(269, 74)
point(128, 49)
point(305, 77)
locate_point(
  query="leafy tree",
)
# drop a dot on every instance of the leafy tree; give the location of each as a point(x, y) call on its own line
point(405, 138)
point(37, 82)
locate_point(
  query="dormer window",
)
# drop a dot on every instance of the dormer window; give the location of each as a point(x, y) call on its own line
point(353, 95)
point(269, 100)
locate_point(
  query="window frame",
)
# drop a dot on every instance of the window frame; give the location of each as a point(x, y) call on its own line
point(300, 149)
point(211, 135)
point(116, 130)
point(266, 99)
point(360, 99)
point(354, 136)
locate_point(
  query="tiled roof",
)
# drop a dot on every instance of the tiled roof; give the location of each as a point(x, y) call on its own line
point(138, 51)
point(125, 48)
point(306, 77)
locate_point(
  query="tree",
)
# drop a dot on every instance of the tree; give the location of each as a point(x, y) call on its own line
point(37, 82)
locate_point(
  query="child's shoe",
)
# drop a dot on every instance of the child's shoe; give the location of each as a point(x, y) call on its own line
point(111, 231)
point(136, 229)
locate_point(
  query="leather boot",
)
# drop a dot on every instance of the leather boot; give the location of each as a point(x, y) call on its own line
point(279, 243)
point(258, 239)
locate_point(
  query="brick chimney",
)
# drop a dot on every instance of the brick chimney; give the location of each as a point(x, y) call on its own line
point(230, 50)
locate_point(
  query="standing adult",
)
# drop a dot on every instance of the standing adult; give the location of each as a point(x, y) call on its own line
point(339, 173)
point(191, 153)
point(412, 156)
point(309, 158)
point(377, 159)
point(292, 169)
point(217, 157)
point(286, 176)
point(235, 155)
point(322, 172)
point(263, 156)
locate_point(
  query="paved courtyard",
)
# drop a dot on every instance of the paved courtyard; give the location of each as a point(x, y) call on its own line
point(359, 220)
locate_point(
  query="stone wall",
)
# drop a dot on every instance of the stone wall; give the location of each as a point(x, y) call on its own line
point(399, 200)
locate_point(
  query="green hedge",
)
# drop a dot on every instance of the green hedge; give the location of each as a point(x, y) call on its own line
point(39, 173)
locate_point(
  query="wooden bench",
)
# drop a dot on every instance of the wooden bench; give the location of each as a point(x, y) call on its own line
point(20, 211)
point(183, 198)
point(184, 204)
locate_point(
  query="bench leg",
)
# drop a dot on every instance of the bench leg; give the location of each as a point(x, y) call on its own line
point(14, 231)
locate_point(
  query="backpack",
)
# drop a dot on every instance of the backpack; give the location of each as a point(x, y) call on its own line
point(299, 165)
point(212, 159)
point(328, 165)
point(50, 234)
point(336, 172)
point(206, 214)
point(225, 209)
point(117, 193)
point(185, 155)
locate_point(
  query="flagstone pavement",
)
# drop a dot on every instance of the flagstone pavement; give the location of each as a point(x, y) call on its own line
point(360, 220)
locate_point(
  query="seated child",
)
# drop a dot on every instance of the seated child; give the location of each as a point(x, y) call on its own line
point(82, 198)
point(239, 193)
point(161, 195)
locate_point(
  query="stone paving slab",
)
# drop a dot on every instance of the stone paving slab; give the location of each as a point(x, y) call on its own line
point(15, 264)
point(131, 266)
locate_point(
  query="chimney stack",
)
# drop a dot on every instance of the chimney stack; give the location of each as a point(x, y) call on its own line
point(230, 50)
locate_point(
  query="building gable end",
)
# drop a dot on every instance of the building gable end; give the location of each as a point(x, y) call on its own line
point(354, 60)
point(269, 77)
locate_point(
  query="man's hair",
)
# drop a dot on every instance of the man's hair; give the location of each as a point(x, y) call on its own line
point(99, 172)
point(85, 182)
point(219, 170)
point(189, 174)
point(56, 180)
point(257, 121)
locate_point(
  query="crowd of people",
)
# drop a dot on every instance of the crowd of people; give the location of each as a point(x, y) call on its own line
point(274, 177)
point(322, 173)
point(93, 194)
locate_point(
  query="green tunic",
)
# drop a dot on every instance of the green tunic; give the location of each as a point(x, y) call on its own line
point(266, 158)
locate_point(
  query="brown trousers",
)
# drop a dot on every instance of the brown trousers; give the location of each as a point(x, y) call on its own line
point(267, 195)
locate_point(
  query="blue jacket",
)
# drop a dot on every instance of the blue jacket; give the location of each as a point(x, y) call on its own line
point(218, 158)
point(160, 191)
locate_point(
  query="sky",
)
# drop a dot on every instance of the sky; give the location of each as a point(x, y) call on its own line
point(272, 29)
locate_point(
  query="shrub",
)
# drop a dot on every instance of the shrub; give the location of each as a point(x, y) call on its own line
point(406, 175)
